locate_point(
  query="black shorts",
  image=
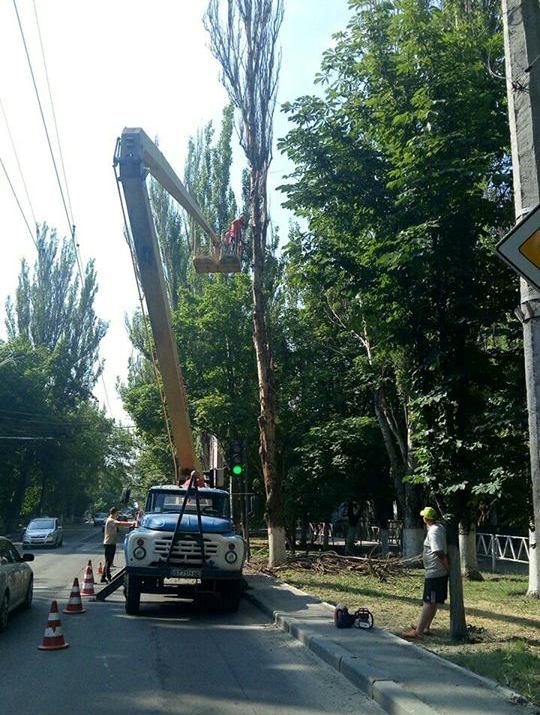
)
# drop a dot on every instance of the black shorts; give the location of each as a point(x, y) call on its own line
point(435, 589)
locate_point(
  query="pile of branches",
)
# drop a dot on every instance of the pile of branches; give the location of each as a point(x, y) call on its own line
point(330, 562)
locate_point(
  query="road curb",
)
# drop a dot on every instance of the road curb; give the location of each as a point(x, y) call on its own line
point(390, 695)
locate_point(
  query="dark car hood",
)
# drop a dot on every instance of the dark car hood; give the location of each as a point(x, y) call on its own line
point(167, 522)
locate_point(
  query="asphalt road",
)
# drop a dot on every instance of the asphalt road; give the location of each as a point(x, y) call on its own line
point(171, 659)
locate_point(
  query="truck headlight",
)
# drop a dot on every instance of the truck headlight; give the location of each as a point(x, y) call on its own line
point(231, 557)
point(139, 553)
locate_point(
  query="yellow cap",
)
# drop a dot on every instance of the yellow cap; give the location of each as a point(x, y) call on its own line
point(429, 512)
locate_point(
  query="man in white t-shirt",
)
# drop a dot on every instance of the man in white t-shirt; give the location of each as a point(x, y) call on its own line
point(110, 539)
point(436, 577)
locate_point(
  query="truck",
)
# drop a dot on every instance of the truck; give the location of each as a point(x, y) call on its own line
point(185, 544)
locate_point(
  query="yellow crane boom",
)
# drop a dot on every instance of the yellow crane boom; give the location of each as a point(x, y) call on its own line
point(137, 156)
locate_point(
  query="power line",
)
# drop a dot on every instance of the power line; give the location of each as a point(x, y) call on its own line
point(18, 162)
point(24, 439)
point(18, 203)
point(59, 143)
point(68, 212)
point(53, 113)
point(30, 67)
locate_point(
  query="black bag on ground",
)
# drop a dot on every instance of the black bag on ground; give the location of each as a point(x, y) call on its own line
point(342, 617)
point(362, 618)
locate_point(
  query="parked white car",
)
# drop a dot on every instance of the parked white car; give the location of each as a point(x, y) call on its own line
point(45, 531)
point(16, 580)
point(100, 518)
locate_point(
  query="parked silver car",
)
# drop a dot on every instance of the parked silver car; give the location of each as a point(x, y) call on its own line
point(45, 531)
point(16, 580)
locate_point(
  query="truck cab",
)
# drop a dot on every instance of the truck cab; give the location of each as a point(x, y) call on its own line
point(200, 555)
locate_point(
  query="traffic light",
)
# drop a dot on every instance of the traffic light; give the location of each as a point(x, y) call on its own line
point(236, 462)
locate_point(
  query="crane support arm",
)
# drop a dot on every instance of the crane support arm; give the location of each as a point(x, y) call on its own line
point(136, 144)
point(136, 156)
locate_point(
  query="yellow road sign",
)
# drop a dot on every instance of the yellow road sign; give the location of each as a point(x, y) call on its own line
point(520, 248)
point(531, 248)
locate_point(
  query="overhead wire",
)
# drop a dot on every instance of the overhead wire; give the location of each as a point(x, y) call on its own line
point(65, 202)
point(13, 147)
point(49, 143)
point(18, 203)
point(53, 112)
point(19, 424)
point(24, 439)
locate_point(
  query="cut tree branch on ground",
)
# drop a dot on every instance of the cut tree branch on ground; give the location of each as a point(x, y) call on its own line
point(331, 562)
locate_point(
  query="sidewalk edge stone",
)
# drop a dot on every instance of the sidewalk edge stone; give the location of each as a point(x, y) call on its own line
point(356, 674)
point(396, 700)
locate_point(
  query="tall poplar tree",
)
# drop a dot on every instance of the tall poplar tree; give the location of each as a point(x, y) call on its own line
point(53, 309)
point(243, 38)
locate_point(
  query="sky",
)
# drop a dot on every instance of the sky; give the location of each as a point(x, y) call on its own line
point(112, 64)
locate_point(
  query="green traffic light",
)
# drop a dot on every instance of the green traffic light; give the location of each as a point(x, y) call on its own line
point(237, 469)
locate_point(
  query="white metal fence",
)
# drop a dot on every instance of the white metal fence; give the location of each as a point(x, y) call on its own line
point(502, 547)
point(496, 547)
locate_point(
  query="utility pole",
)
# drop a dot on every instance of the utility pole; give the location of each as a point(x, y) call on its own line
point(521, 20)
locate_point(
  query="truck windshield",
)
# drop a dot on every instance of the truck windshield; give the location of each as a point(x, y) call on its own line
point(171, 502)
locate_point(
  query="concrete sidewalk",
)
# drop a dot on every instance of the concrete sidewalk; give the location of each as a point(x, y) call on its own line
point(403, 678)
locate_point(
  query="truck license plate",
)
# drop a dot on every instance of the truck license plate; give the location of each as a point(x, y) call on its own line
point(185, 573)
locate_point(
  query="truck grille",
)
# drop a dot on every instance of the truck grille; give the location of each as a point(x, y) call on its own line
point(186, 551)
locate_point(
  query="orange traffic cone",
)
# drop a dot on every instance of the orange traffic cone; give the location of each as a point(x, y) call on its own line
point(75, 603)
point(100, 569)
point(53, 638)
point(88, 584)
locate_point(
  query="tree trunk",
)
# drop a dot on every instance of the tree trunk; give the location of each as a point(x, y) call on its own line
point(304, 525)
point(413, 531)
point(326, 535)
point(397, 468)
point(267, 401)
point(383, 541)
point(458, 624)
point(467, 552)
point(351, 539)
point(14, 512)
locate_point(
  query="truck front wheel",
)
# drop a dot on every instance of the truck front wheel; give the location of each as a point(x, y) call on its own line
point(133, 594)
point(231, 593)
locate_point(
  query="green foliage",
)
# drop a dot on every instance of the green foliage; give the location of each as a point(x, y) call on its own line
point(56, 457)
point(405, 191)
point(58, 452)
point(52, 309)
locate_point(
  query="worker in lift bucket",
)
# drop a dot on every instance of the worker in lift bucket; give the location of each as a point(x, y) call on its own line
point(233, 235)
point(110, 539)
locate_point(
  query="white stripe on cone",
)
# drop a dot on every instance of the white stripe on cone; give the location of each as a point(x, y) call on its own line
point(88, 585)
point(53, 638)
point(75, 603)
